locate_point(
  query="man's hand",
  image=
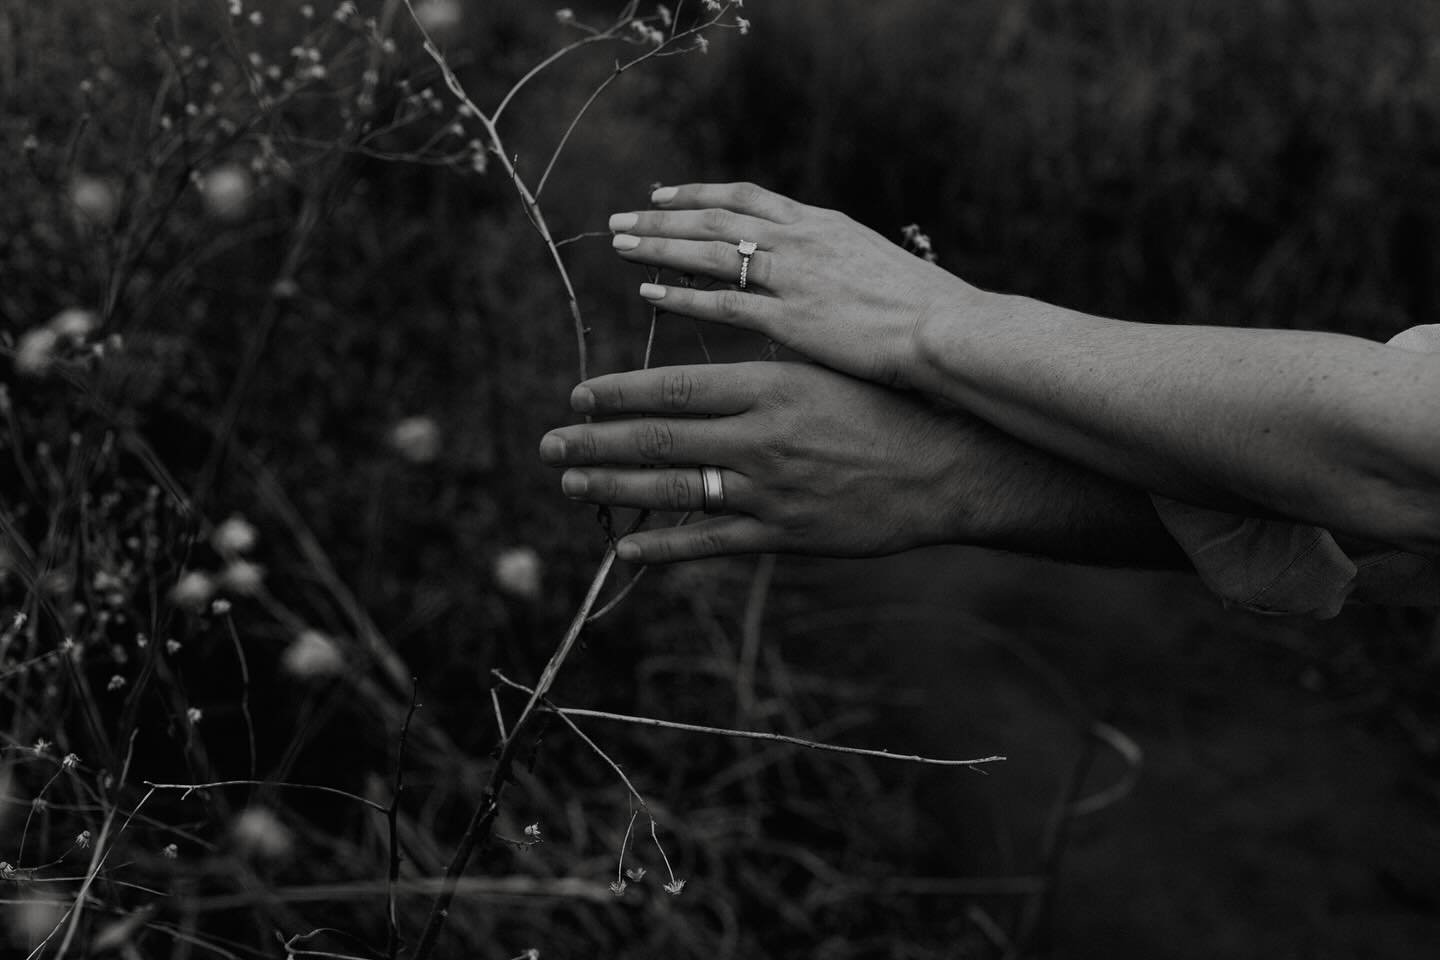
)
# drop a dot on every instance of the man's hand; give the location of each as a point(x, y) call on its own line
point(816, 462)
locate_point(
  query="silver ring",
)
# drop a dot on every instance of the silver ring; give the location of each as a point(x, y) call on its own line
point(712, 490)
point(746, 249)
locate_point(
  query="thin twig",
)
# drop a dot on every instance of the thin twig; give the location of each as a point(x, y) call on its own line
point(392, 822)
point(750, 635)
point(581, 734)
point(749, 734)
point(244, 690)
point(190, 787)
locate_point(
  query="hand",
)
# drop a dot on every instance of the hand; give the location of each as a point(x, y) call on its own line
point(812, 461)
point(820, 283)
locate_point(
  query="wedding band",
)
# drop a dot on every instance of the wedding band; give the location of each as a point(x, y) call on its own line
point(746, 249)
point(712, 490)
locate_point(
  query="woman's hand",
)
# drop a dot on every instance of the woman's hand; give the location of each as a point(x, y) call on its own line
point(812, 461)
point(819, 282)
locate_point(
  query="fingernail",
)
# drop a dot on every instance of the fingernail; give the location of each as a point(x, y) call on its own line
point(552, 448)
point(663, 195)
point(623, 221)
point(626, 550)
point(574, 484)
point(651, 291)
point(623, 241)
point(582, 400)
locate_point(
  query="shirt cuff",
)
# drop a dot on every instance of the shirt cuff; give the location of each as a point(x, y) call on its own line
point(1265, 566)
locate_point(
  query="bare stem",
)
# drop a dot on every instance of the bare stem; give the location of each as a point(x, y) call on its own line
point(749, 734)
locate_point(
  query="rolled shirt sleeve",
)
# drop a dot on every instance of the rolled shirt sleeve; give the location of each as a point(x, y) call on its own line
point(1277, 567)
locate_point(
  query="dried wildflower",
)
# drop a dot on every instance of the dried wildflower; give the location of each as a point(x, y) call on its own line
point(533, 832)
point(70, 762)
point(94, 200)
point(74, 324)
point(242, 577)
point(227, 191)
point(117, 682)
point(313, 654)
point(41, 747)
point(743, 25)
point(518, 572)
point(193, 591)
point(617, 887)
point(235, 535)
point(674, 887)
point(170, 851)
point(636, 873)
point(36, 351)
point(194, 715)
point(259, 834)
point(172, 646)
point(439, 15)
point(82, 840)
point(417, 439)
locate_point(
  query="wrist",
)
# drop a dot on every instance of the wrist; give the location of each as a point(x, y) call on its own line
point(942, 334)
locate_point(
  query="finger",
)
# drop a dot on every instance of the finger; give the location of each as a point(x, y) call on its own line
point(707, 389)
point(677, 489)
point(711, 257)
point(649, 440)
point(735, 308)
point(714, 537)
point(712, 224)
point(744, 198)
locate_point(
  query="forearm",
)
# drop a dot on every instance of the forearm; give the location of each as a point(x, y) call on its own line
point(1004, 494)
point(1333, 430)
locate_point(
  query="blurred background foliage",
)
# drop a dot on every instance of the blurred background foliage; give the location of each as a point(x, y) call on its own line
point(360, 353)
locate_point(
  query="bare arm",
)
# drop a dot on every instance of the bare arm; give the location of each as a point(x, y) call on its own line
point(1333, 430)
point(817, 462)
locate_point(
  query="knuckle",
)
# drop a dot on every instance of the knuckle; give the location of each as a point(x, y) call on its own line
point(609, 487)
point(748, 194)
point(708, 542)
point(729, 305)
point(676, 491)
point(718, 221)
point(677, 390)
point(587, 447)
point(655, 440)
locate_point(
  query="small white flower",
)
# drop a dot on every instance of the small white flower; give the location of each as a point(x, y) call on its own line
point(702, 44)
point(307, 10)
point(82, 840)
point(565, 15)
point(94, 200)
point(518, 572)
point(172, 646)
point(41, 747)
point(220, 607)
point(70, 762)
point(193, 591)
point(439, 15)
point(74, 323)
point(674, 887)
point(243, 577)
point(259, 833)
point(227, 191)
point(235, 535)
point(744, 26)
point(36, 351)
point(636, 873)
point(170, 851)
point(533, 832)
point(617, 887)
point(313, 654)
point(194, 715)
point(417, 439)
point(117, 682)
